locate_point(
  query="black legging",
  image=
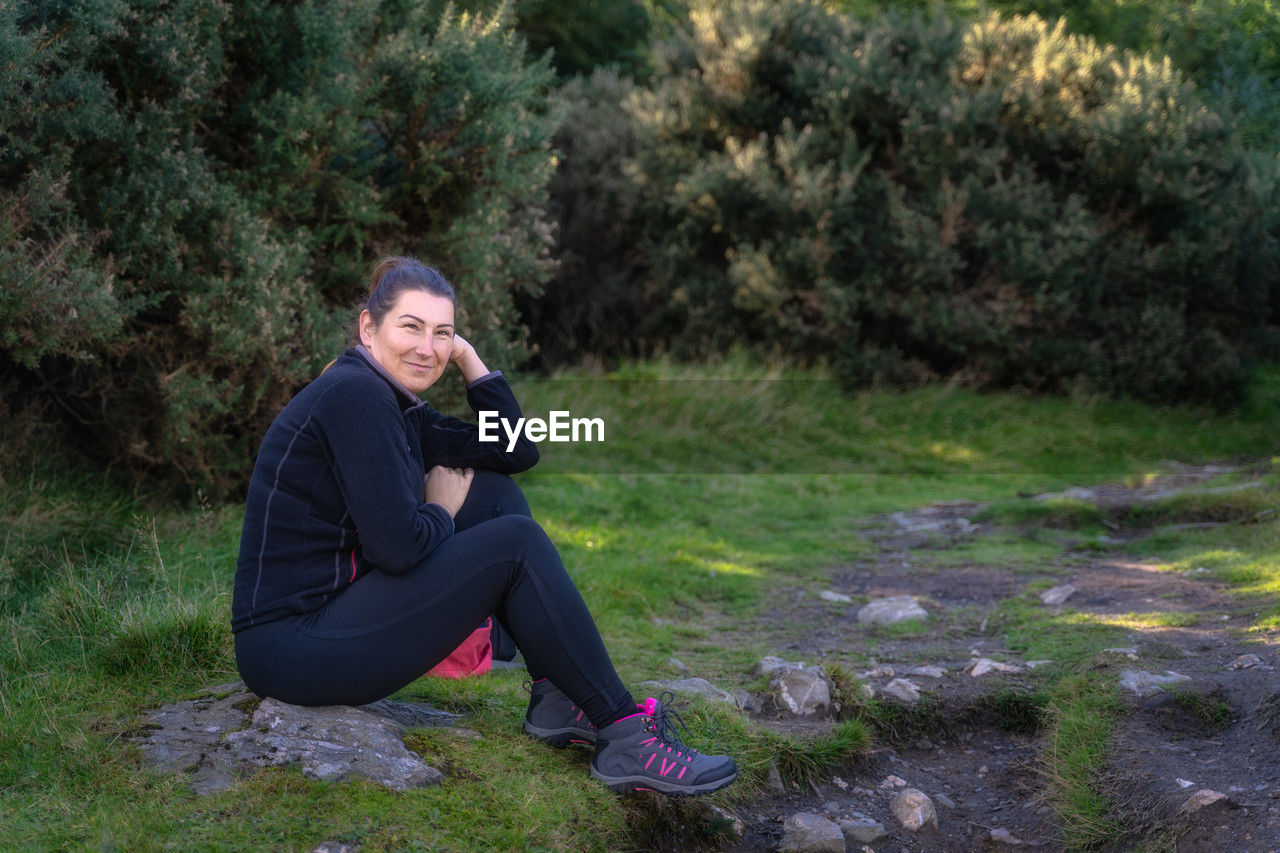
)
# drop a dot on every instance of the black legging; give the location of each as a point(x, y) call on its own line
point(387, 630)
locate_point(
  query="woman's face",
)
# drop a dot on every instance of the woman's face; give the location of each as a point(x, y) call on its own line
point(414, 340)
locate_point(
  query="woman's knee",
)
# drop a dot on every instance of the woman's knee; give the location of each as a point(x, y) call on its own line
point(492, 495)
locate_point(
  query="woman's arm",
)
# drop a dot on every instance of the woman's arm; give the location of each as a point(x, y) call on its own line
point(454, 443)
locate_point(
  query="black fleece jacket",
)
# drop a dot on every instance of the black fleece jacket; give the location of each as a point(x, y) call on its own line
point(337, 486)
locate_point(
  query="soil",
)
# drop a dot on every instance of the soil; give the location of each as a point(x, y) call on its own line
point(1219, 730)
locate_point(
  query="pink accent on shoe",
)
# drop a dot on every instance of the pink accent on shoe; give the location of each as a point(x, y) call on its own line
point(665, 769)
point(649, 706)
point(681, 776)
point(650, 761)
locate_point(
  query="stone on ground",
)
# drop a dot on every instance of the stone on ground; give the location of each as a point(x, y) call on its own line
point(913, 809)
point(1057, 595)
point(834, 597)
point(889, 611)
point(1244, 662)
point(802, 690)
point(902, 690)
point(863, 829)
point(811, 833)
point(1206, 798)
point(982, 666)
point(1145, 684)
point(692, 687)
point(213, 739)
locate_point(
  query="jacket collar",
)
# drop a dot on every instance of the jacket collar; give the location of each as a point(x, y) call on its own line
point(406, 398)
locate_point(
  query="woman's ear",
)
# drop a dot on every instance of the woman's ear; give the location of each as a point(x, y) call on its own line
point(365, 324)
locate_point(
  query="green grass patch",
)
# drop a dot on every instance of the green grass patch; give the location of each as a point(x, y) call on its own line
point(1081, 717)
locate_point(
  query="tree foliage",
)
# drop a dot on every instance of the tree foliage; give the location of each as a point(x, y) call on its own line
point(914, 198)
point(190, 193)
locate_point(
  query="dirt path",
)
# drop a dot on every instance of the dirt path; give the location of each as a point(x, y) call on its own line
point(1219, 729)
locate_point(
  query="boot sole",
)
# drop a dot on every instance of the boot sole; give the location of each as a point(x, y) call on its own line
point(632, 784)
point(558, 738)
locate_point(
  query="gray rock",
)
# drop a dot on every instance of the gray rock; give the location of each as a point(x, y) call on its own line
point(213, 740)
point(834, 597)
point(927, 671)
point(335, 847)
point(811, 833)
point(944, 801)
point(692, 687)
point(676, 665)
point(773, 780)
point(863, 829)
point(902, 690)
point(725, 822)
point(800, 689)
point(1144, 684)
point(1206, 798)
point(1244, 662)
point(1057, 595)
point(1131, 652)
point(1004, 836)
point(982, 666)
point(888, 611)
point(877, 671)
point(913, 809)
point(747, 701)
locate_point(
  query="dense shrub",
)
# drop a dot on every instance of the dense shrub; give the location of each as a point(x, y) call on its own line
point(911, 198)
point(190, 194)
point(595, 305)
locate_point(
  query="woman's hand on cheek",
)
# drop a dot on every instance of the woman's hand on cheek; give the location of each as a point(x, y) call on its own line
point(464, 355)
point(448, 487)
point(461, 350)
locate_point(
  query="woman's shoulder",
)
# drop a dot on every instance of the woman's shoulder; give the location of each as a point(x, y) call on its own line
point(347, 386)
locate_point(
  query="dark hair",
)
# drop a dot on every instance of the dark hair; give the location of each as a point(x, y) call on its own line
point(392, 277)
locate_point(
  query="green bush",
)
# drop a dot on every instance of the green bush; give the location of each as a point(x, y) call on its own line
point(913, 199)
point(190, 194)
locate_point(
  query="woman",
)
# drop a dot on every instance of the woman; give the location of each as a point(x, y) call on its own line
point(351, 582)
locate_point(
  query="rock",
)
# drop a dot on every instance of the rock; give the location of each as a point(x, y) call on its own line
point(770, 664)
point(1184, 783)
point(692, 687)
point(878, 671)
point(888, 611)
point(982, 666)
point(773, 780)
point(1057, 595)
point(913, 809)
point(927, 671)
point(723, 822)
point(810, 833)
point(944, 801)
point(892, 781)
point(1244, 662)
point(835, 597)
point(1144, 684)
point(213, 740)
point(1204, 798)
point(1131, 652)
point(800, 689)
point(902, 690)
point(1036, 664)
point(863, 829)
point(1004, 836)
point(335, 847)
point(747, 701)
point(676, 665)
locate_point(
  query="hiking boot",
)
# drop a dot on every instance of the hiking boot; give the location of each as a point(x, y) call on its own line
point(643, 753)
point(553, 719)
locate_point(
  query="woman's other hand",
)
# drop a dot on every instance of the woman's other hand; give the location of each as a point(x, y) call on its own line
point(448, 487)
point(464, 355)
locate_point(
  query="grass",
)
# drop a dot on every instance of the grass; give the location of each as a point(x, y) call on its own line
point(715, 487)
